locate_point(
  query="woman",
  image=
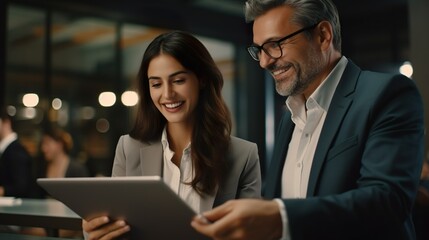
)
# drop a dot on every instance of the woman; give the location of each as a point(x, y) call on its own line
point(182, 132)
point(56, 146)
point(56, 162)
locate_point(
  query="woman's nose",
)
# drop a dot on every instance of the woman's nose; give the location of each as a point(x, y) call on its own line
point(168, 91)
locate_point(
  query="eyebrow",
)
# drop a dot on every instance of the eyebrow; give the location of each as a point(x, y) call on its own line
point(169, 76)
point(271, 39)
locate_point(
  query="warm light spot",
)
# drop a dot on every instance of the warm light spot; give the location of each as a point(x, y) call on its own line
point(406, 69)
point(107, 99)
point(30, 100)
point(129, 98)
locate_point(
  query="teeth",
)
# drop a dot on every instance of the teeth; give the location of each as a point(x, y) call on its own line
point(173, 105)
point(280, 71)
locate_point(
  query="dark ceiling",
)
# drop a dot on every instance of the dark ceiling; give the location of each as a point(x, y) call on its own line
point(373, 30)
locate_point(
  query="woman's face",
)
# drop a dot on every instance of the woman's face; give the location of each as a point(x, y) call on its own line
point(174, 90)
point(50, 148)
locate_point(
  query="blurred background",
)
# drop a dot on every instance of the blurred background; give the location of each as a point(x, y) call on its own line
point(73, 63)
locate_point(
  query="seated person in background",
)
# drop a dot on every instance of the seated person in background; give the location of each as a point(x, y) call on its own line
point(16, 174)
point(56, 145)
point(182, 133)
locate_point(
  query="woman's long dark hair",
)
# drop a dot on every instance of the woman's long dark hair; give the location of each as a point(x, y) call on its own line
point(212, 129)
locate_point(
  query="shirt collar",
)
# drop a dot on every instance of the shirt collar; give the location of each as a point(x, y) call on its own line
point(164, 140)
point(166, 145)
point(323, 93)
point(7, 140)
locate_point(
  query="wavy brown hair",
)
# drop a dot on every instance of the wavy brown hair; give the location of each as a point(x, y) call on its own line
point(212, 129)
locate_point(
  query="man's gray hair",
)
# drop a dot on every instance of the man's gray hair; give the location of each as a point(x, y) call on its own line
point(306, 13)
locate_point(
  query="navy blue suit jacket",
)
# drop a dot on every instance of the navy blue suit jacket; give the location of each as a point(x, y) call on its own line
point(16, 172)
point(367, 163)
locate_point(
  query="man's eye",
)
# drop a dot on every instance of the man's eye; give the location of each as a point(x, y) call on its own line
point(270, 45)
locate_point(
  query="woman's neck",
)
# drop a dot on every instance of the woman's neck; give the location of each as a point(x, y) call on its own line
point(179, 136)
point(58, 166)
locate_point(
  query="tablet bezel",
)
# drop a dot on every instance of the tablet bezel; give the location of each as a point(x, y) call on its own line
point(146, 203)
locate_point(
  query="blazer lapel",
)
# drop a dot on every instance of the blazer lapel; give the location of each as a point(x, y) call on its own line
point(207, 202)
point(340, 104)
point(151, 159)
point(272, 186)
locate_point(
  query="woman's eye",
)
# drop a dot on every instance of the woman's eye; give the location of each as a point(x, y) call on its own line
point(179, 81)
point(155, 85)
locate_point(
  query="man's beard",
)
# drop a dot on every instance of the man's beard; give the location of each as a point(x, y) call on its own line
point(305, 74)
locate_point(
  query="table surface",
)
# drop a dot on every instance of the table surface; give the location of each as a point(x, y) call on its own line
point(46, 213)
point(9, 236)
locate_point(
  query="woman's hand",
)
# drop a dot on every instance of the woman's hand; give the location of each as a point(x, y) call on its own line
point(101, 228)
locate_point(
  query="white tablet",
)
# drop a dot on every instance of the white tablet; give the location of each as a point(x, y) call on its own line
point(147, 204)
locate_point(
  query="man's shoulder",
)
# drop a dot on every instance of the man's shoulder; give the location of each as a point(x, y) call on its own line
point(16, 151)
point(16, 146)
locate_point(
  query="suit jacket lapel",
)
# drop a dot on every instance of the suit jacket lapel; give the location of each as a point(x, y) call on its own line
point(151, 159)
point(272, 187)
point(340, 104)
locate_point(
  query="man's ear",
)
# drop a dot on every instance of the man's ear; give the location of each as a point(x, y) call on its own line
point(324, 34)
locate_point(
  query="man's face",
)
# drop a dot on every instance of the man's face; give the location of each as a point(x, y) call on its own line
point(301, 59)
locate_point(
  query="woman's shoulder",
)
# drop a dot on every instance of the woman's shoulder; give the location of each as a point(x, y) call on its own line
point(241, 141)
point(77, 169)
point(127, 139)
point(240, 145)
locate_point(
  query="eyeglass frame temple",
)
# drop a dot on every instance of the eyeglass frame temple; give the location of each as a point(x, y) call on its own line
point(278, 42)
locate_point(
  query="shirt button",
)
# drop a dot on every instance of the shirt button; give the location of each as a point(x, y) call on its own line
point(306, 135)
point(298, 165)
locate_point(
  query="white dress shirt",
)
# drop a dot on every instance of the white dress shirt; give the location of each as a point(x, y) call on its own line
point(176, 177)
point(308, 117)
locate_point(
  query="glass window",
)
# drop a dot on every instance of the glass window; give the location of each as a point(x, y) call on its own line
point(25, 71)
point(84, 69)
point(85, 80)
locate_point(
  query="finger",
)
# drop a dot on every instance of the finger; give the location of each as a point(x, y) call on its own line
point(94, 223)
point(201, 227)
point(220, 211)
point(116, 233)
point(222, 228)
point(109, 231)
point(202, 219)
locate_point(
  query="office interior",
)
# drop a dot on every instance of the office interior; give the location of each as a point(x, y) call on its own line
point(74, 63)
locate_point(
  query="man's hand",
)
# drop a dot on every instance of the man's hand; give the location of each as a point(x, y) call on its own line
point(248, 219)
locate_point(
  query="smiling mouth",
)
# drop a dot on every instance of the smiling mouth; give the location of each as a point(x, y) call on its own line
point(173, 105)
point(279, 71)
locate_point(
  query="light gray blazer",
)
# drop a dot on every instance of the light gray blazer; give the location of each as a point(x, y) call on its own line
point(242, 180)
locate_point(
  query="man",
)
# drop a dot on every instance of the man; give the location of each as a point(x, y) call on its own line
point(16, 176)
point(348, 152)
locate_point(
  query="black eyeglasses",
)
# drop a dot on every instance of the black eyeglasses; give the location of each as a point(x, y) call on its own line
point(274, 48)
